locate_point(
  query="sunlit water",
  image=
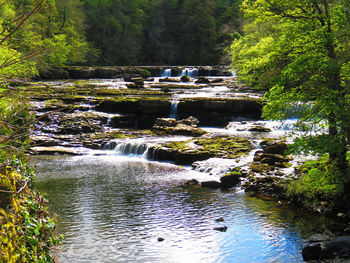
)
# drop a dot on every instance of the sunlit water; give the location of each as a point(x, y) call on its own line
point(114, 209)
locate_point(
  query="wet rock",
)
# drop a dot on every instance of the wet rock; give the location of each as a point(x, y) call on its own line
point(220, 219)
point(217, 80)
point(192, 182)
point(202, 80)
point(169, 80)
point(191, 121)
point(138, 85)
point(265, 186)
point(272, 159)
point(185, 78)
point(230, 179)
point(259, 129)
point(339, 247)
point(166, 122)
point(81, 122)
point(199, 149)
point(276, 148)
point(55, 150)
point(160, 239)
point(212, 184)
point(311, 252)
point(221, 228)
point(179, 129)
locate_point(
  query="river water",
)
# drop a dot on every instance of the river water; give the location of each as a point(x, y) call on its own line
point(115, 208)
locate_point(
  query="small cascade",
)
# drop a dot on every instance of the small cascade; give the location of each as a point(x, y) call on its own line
point(166, 73)
point(173, 108)
point(131, 147)
point(191, 72)
point(109, 120)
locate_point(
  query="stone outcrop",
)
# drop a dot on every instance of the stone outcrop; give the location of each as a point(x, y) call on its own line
point(185, 127)
point(188, 152)
point(111, 72)
point(328, 250)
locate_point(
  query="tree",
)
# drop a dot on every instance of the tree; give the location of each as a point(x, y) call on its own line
point(299, 52)
point(198, 37)
point(116, 28)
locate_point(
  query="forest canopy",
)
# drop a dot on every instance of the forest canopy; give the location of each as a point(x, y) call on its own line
point(115, 32)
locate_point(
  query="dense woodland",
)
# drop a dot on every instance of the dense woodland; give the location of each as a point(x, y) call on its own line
point(134, 32)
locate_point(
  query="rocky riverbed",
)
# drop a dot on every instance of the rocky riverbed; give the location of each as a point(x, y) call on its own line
point(157, 113)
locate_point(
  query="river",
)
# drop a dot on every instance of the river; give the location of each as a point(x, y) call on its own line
point(114, 208)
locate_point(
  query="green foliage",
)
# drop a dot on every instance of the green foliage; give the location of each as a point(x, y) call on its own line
point(298, 51)
point(27, 233)
point(160, 31)
point(320, 185)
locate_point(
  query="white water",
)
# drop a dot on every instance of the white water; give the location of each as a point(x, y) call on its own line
point(173, 108)
point(166, 73)
point(191, 72)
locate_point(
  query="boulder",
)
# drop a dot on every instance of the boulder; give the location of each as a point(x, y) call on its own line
point(191, 121)
point(312, 252)
point(185, 78)
point(276, 148)
point(272, 159)
point(202, 80)
point(339, 247)
point(230, 179)
point(165, 122)
point(259, 128)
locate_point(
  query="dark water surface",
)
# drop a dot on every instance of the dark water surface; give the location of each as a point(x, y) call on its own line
point(114, 209)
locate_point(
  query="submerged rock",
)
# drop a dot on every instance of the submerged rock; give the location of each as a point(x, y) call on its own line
point(221, 228)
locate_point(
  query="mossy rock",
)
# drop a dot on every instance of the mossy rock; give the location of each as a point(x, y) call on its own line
point(187, 152)
point(231, 179)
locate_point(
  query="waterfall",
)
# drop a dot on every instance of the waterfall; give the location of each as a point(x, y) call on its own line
point(166, 72)
point(131, 147)
point(173, 108)
point(191, 72)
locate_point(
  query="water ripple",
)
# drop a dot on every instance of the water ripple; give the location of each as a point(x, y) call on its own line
point(115, 209)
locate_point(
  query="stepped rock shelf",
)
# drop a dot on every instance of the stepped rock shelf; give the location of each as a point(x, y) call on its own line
point(198, 117)
point(105, 72)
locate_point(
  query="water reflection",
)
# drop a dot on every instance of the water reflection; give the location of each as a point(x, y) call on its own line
point(113, 209)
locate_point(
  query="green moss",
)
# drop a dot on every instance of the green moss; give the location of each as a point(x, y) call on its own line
point(226, 147)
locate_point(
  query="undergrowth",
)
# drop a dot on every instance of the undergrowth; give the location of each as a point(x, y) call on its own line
point(320, 186)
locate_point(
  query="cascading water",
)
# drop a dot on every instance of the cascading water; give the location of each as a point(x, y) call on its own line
point(191, 72)
point(173, 108)
point(131, 147)
point(166, 72)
